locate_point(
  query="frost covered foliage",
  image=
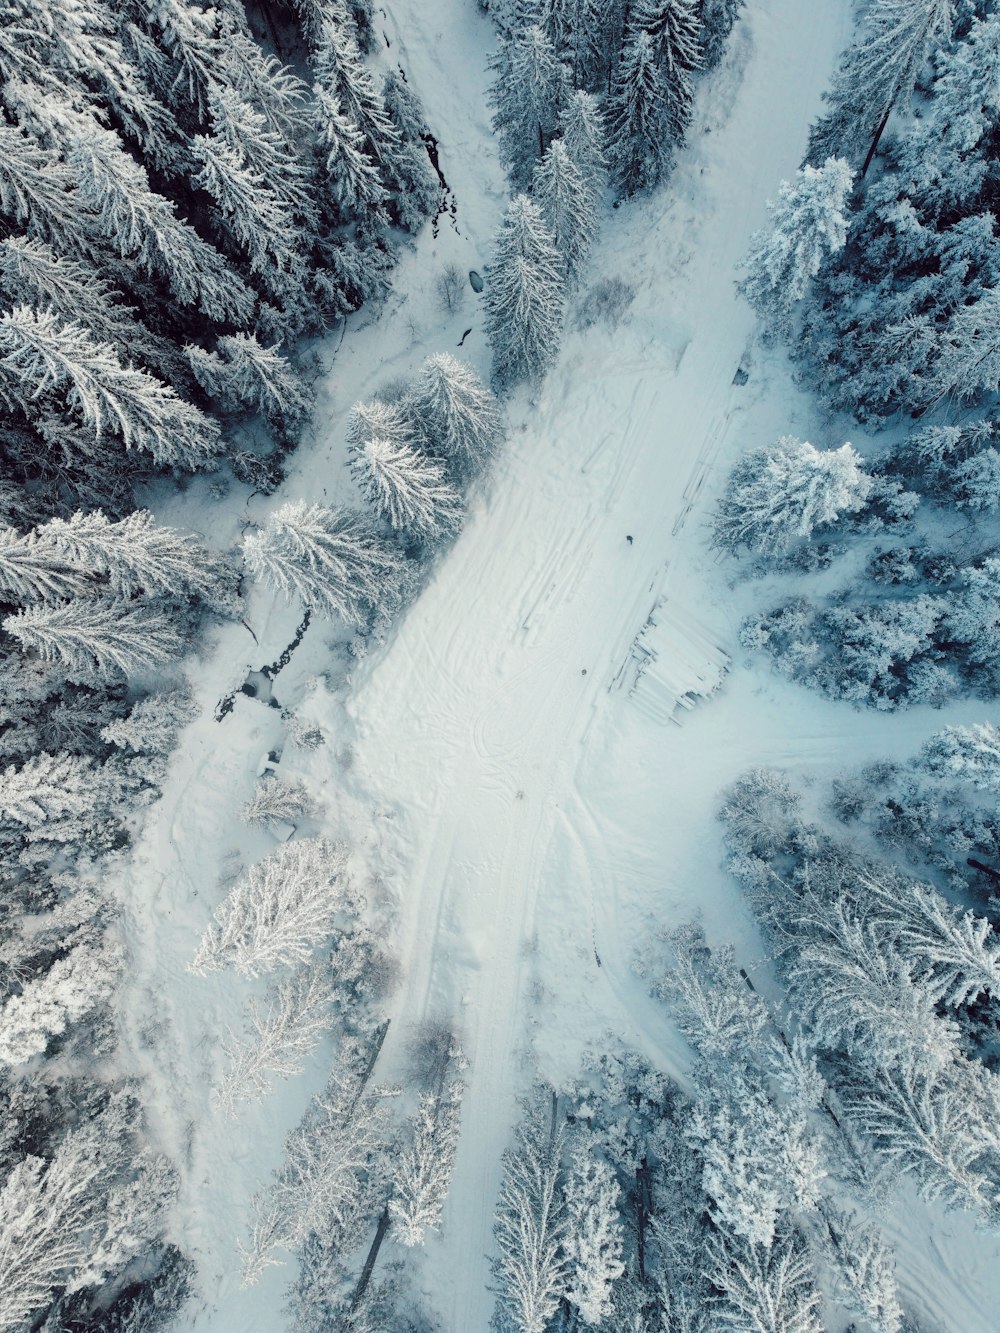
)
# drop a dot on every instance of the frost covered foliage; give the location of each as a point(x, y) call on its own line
point(808, 222)
point(897, 648)
point(893, 986)
point(626, 1205)
point(281, 910)
point(82, 1201)
point(130, 301)
point(777, 497)
point(902, 318)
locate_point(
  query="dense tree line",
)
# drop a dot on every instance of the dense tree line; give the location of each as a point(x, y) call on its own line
point(584, 91)
point(880, 269)
point(179, 207)
point(627, 1203)
point(894, 984)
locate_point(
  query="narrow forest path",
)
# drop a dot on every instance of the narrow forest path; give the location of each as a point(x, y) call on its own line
point(533, 826)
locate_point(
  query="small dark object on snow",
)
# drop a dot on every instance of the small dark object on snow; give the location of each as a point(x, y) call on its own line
point(741, 375)
point(464, 336)
point(583, 671)
point(628, 538)
point(475, 281)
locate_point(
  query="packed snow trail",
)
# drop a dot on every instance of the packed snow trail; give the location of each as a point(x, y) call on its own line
point(495, 693)
point(532, 825)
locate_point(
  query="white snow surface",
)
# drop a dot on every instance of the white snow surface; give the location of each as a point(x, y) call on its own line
point(523, 817)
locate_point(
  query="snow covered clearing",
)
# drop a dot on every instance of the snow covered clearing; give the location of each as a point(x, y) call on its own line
point(529, 817)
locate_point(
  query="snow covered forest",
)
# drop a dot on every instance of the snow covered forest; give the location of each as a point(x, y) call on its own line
point(500, 616)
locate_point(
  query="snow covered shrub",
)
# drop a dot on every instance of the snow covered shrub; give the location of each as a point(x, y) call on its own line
point(278, 799)
point(449, 287)
point(607, 302)
point(779, 496)
point(281, 910)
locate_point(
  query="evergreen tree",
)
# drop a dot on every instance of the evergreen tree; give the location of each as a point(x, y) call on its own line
point(332, 1178)
point(639, 147)
point(717, 20)
point(943, 158)
point(30, 570)
point(455, 415)
point(582, 128)
point(280, 911)
point(259, 223)
point(98, 639)
point(341, 73)
point(593, 1237)
point(877, 74)
point(865, 1269)
point(283, 1030)
point(142, 226)
point(73, 987)
point(809, 222)
point(859, 994)
point(37, 190)
point(407, 488)
point(568, 204)
point(969, 754)
point(673, 26)
point(354, 179)
point(37, 353)
point(525, 297)
point(763, 1287)
point(276, 799)
point(425, 1168)
point(529, 1269)
point(47, 787)
point(33, 274)
point(334, 559)
point(527, 94)
point(941, 1128)
point(776, 497)
point(138, 555)
point(968, 364)
point(241, 373)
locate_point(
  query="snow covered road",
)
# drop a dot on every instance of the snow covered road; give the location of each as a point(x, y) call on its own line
point(486, 721)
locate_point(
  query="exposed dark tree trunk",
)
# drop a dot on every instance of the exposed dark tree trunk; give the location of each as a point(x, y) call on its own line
point(366, 1272)
point(878, 135)
point(978, 865)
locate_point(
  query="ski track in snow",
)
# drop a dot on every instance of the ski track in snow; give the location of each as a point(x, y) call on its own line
point(532, 826)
